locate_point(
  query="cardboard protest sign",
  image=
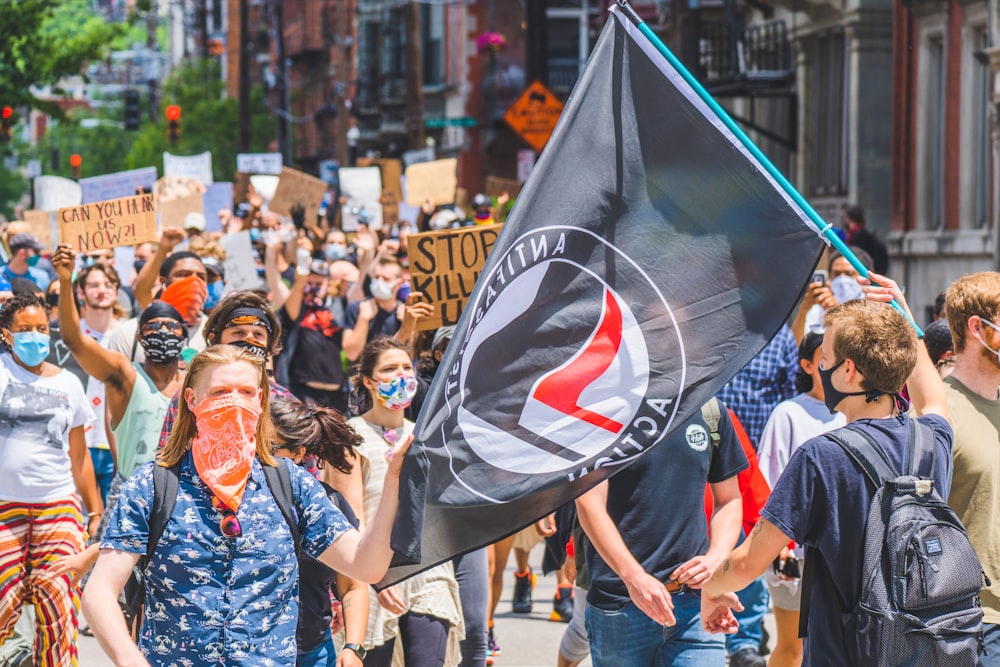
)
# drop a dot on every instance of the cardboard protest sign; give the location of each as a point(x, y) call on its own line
point(241, 270)
point(392, 187)
point(435, 180)
point(198, 167)
point(41, 226)
point(444, 267)
point(495, 187)
point(298, 189)
point(114, 186)
point(173, 211)
point(108, 224)
point(55, 192)
point(259, 163)
point(362, 186)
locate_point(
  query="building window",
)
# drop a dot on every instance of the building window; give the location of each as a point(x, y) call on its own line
point(975, 174)
point(828, 114)
point(931, 148)
point(568, 36)
point(432, 36)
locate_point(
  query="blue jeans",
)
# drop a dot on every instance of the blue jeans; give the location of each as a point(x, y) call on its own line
point(104, 470)
point(472, 574)
point(991, 637)
point(626, 637)
point(324, 655)
point(754, 599)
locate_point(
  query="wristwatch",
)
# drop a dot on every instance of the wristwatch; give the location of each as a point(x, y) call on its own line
point(360, 650)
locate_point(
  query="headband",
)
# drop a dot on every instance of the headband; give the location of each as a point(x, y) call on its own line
point(161, 309)
point(249, 316)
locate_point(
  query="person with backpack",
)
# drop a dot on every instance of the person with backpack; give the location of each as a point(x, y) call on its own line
point(890, 577)
point(221, 580)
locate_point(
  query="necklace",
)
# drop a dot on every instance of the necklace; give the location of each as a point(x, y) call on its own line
point(390, 435)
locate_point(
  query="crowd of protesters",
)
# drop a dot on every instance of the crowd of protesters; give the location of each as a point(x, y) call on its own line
point(277, 419)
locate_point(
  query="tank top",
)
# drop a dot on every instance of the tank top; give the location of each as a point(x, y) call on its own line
point(138, 432)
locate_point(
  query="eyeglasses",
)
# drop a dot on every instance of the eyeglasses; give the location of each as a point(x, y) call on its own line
point(228, 524)
point(172, 326)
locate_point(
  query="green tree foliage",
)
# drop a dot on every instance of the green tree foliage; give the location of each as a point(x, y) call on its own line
point(209, 120)
point(45, 41)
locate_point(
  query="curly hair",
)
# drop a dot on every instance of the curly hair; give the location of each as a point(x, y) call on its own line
point(19, 303)
point(360, 399)
point(322, 431)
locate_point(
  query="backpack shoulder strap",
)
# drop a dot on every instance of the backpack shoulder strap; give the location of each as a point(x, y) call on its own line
point(279, 480)
point(866, 454)
point(165, 483)
point(922, 450)
point(711, 414)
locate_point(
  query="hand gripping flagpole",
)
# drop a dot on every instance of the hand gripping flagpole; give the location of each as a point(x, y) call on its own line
point(825, 228)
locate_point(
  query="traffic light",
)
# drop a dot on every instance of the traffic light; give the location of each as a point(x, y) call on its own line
point(75, 161)
point(132, 111)
point(173, 123)
point(6, 125)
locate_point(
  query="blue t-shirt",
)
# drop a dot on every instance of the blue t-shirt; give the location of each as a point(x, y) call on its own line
point(658, 504)
point(35, 275)
point(821, 501)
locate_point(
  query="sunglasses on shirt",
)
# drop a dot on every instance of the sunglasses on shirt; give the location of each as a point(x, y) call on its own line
point(228, 524)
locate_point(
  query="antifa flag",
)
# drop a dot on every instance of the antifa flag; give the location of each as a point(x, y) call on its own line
point(648, 259)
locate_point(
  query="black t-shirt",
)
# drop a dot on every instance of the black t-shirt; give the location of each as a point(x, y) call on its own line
point(385, 322)
point(821, 501)
point(658, 504)
point(316, 355)
point(315, 580)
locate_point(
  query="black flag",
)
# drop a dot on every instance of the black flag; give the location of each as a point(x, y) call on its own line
point(648, 259)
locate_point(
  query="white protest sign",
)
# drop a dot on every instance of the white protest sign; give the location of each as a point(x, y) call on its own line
point(117, 185)
point(259, 163)
point(198, 167)
point(55, 192)
point(362, 186)
point(218, 196)
point(241, 271)
point(265, 186)
point(417, 156)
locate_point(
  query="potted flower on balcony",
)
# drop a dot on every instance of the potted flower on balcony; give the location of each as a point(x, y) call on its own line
point(493, 42)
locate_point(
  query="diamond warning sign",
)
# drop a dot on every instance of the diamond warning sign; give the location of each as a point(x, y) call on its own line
point(534, 115)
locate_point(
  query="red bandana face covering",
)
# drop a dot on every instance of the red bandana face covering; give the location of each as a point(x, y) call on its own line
point(226, 444)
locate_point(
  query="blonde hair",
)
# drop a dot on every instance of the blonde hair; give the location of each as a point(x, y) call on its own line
point(185, 427)
point(974, 295)
point(207, 247)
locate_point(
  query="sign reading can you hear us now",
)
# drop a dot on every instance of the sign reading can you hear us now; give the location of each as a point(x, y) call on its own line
point(444, 267)
point(108, 224)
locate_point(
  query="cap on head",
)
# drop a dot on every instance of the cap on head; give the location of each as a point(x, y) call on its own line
point(442, 335)
point(214, 267)
point(194, 220)
point(24, 240)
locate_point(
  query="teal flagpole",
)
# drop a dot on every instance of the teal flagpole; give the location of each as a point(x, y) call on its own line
point(825, 228)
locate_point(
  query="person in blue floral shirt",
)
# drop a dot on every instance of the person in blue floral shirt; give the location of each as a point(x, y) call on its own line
point(222, 585)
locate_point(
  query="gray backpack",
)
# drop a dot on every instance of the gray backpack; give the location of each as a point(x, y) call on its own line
point(921, 579)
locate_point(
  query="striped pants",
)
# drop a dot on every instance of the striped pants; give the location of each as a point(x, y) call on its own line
point(32, 537)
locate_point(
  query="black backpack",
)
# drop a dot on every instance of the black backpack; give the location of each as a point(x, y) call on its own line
point(921, 580)
point(165, 483)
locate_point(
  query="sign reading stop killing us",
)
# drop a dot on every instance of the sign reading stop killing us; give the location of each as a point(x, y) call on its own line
point(108, 224)
point(445, 265)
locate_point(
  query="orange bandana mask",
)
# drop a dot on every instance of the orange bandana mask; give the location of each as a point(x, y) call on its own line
point(226, 444)
point(188, 296)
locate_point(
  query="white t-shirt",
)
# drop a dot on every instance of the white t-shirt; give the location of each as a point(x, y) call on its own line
point(97, 435)
point(792, 423)
point(36, 416)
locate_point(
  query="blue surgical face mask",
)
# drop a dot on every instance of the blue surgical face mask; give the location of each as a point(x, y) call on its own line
point(33, 260)
point(214, 294)
point(254, 235)
point(31, 347)
point(335, 252)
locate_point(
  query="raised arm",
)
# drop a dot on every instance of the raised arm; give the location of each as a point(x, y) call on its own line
point(100, 363)
point(927, 392)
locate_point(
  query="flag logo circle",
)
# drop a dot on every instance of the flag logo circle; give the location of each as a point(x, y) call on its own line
point(561, 370)
point(697, 437)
